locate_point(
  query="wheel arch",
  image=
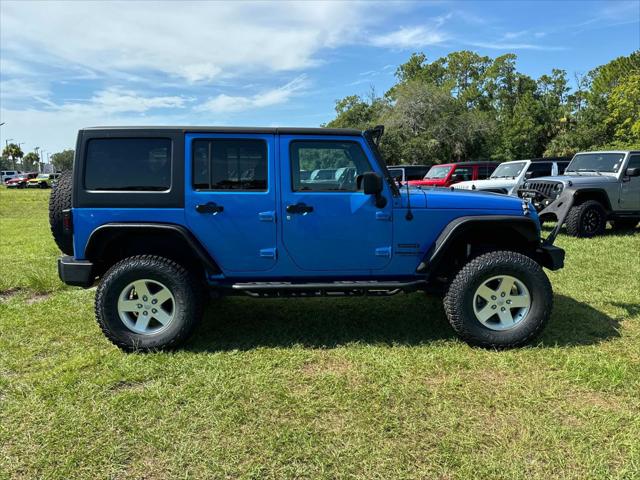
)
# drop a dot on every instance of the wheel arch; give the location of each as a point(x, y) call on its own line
point(465, 236)
point(597, 194)
point(111, 242)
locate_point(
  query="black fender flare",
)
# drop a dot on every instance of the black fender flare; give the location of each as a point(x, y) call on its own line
point(525, 226)
point(102, 234)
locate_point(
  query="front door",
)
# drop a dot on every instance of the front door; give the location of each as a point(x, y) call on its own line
point(231, 198)
point(329, 224)
point(630, 187)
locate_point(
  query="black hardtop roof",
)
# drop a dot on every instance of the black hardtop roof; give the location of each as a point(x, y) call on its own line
point(550, 159)
point(247, 130)
point(408, 166)
point(470, 162)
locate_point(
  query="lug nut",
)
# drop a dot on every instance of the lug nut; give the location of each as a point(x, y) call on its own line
point(502, 309)
point(144, 298)
point(153, 310)
point(502, 294)
point(494, 307)
point(508, 302)
point(146, 313)
point(154, 301)
point(493, 297)
point(139, 305)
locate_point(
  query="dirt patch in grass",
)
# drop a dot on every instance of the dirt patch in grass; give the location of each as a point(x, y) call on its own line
point(37, 298)
point(128, 386)
point(8, 294)
point(328, 364)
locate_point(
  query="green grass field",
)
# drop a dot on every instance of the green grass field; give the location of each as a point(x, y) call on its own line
point(317, 388)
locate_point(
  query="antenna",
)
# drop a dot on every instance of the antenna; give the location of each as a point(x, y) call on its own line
point(409, 215)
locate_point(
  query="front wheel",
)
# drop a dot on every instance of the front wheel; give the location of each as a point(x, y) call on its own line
point(586, 220)
point(148, 303)
point(500, 299)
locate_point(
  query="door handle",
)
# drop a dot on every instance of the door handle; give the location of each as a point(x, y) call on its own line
point(301, 208)
point(209, 207)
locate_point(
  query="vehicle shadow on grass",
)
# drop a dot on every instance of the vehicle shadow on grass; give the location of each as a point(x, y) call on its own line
point(243, 324)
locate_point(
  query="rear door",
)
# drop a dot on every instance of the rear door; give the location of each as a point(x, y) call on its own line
point(231, 198)
point(332, 226)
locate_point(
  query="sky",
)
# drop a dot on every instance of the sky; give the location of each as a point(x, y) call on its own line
point(68, 65)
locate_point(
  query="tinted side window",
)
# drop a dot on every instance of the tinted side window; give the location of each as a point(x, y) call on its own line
point(483, 172)
point(334, 165)
point(128, 164)
point(230, 164)
point(542, 169)
point(562, 166)
point(463, 174)
point(634, 161)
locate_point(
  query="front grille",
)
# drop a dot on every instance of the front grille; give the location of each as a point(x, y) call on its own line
point(547, 189)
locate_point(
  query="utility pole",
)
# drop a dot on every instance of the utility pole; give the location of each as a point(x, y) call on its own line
point(6, 145)
point(35, 149)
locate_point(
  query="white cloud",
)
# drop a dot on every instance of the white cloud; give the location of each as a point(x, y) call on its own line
point(227, 103)
point(409, 37)
point(515, 46)
point(195, 41)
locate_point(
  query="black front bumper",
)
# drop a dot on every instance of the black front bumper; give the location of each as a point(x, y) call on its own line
point(550, 257)
point(78, 273)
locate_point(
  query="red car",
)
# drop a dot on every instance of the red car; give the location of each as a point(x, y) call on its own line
point(447, 174)
point(21, 180)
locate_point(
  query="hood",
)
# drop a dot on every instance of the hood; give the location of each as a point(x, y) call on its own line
point(485, 184)
point(577, 179)
point(418, 198)
point(434, 182)
point(464, 200)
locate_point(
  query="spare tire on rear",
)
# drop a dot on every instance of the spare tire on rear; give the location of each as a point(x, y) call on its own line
point(59, 201)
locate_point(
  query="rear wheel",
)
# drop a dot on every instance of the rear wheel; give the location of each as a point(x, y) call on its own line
point(586, 220)
point(148, 303)
point(499, 300)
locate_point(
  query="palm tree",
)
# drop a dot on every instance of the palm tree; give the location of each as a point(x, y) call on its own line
point(14, 151)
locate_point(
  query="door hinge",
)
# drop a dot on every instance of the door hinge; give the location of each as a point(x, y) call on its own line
point(269, 252)
point(383, 252)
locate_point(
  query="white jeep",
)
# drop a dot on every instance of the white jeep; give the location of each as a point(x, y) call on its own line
point(510, 176)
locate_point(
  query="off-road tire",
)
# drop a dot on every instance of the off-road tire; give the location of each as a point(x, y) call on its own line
point(624, 224)
point(458, 302)
point(580, 218)
point(59, 201)
point(186, 289)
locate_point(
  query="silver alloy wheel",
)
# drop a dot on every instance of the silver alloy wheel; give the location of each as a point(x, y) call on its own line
point(146, 306)
point(501, 302)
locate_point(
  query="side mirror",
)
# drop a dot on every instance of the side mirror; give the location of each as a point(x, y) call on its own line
point(371, 184)
point(528, 175)
point(633, 172)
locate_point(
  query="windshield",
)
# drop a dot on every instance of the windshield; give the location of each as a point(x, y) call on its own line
point(508, 170)
point(596, 162)
point(438, 172)
point(44, 175)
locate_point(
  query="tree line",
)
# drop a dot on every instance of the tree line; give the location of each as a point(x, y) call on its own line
point(469, 107)
point(13, 158)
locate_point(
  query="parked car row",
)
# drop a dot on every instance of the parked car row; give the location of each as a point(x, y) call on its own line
point(29, 180)
point(587, 191)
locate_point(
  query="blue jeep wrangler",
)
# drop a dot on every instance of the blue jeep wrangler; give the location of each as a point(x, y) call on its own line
point(161, 216)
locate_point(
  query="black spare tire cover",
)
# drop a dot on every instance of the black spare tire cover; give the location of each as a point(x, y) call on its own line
point(59, 201)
